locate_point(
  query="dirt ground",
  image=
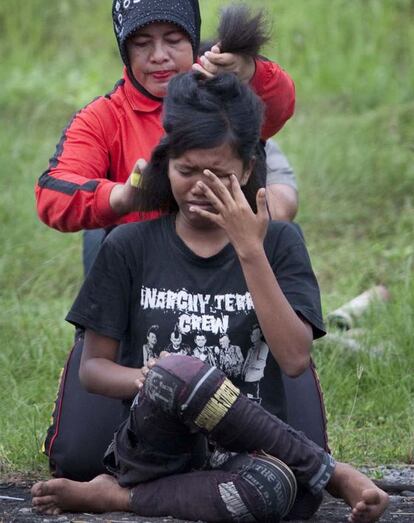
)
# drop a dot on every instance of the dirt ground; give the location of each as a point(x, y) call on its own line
point(401, 510)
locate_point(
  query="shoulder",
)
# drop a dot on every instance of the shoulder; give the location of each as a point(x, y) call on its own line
point(284, 244)
point(127, 247)
point(126, 235)
point(284, 233)
point(104, 108)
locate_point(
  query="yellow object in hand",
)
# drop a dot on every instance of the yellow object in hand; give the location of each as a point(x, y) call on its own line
point(135, 179)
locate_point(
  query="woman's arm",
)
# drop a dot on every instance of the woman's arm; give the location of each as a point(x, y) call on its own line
point(288, 336)
point(73, 193)
point(100, 374)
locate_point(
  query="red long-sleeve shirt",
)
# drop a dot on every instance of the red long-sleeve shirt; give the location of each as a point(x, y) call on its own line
point(103, 141)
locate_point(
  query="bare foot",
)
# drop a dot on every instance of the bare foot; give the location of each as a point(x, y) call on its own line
point(368, 501)
point(102, 494)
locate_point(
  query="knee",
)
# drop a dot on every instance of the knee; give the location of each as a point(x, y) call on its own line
point(267, 486)
point(170, 381)
point(184, 367)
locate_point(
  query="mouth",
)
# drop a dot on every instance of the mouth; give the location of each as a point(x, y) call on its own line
point(205, 205)
point(162, 76)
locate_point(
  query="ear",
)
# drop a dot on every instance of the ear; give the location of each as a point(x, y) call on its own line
point(248, 171)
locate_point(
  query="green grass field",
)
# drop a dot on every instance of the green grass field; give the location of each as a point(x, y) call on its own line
point(350, 142)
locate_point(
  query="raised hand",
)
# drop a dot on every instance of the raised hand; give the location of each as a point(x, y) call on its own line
point(245, 229)
point(214, 62)
point(122, 196)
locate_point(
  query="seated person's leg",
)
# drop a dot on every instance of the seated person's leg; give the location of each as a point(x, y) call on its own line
point(251, 488)
point(246, 488)
point(83, 424)
point(202, 398)
point(304, 399)
point(82, 427)
point(305, 406)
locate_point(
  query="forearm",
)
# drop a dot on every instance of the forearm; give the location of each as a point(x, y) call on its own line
point(288, 337)
point(73, 193)
point(71, 203)
point(105, 377)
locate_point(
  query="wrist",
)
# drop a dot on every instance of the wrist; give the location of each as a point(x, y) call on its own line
point(250, 253)
point(249, 69)
point(116, 201)
point(104, 214)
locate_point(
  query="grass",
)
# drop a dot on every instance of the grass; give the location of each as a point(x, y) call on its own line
point(350, 143)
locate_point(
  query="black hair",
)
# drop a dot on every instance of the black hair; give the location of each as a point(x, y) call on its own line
point(256, 326)
point(202, 113)
point(153, 329)
point(240, 31)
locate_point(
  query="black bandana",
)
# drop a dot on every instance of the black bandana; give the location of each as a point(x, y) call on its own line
point(130, 15)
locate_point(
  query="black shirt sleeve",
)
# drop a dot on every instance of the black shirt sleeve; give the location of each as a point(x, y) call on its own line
point(291, 264)
point(103, 302)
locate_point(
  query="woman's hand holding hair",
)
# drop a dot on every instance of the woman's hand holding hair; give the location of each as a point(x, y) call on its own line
point(245, 229)
point(122, 197)
point(214, 62)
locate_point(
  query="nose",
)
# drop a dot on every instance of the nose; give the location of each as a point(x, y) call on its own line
point(196, 190)
point(159, 53)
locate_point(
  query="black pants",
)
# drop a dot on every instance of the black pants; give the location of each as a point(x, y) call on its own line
point(83, 424)
point(186, 403)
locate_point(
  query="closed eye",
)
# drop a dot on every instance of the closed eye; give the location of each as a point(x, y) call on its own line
point(185, 172)
point(174, 41)
point(140, 43)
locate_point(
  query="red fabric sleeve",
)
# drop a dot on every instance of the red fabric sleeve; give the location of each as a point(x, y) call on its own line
point(73, 193)
point(277, 90)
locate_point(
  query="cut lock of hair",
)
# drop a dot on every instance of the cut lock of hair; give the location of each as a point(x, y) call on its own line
point(241, 31)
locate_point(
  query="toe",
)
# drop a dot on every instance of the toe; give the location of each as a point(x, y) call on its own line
point(36, 490)
point(358, 516)
point(371, 496)
point(360, 507)
point(43, 500)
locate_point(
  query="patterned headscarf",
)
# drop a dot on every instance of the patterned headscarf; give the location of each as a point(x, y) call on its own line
point(130, 15)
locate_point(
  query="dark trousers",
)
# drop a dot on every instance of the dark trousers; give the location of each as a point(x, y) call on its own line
point(83, 424)
point(186, 403)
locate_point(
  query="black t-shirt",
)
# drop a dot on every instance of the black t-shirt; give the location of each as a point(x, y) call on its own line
point(148, 290)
